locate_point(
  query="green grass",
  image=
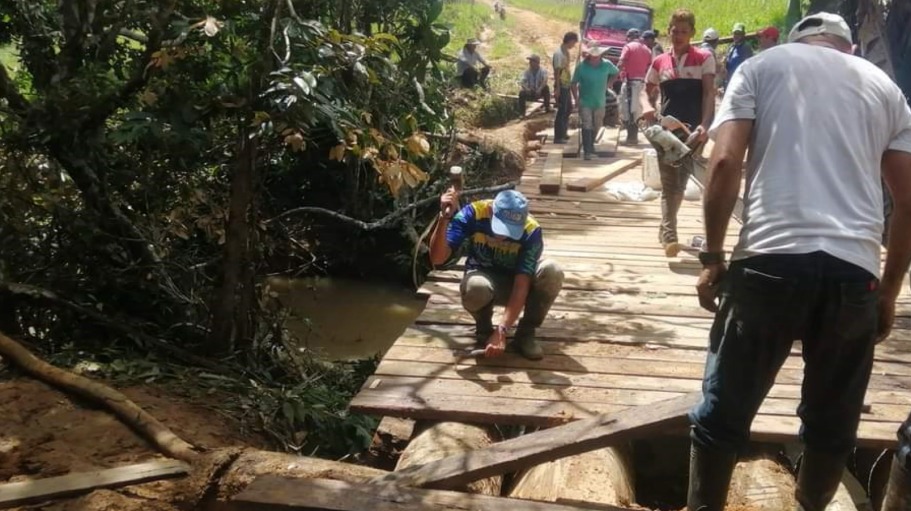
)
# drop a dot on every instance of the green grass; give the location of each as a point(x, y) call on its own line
point(720, 14)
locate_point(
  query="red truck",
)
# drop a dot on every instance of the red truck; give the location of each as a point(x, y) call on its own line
point(605, 23)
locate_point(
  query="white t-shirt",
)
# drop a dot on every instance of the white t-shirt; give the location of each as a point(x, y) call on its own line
point(823, 120)
point(464, 60)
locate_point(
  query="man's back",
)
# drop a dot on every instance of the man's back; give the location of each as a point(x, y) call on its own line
point(635, 60)
point(823, 120)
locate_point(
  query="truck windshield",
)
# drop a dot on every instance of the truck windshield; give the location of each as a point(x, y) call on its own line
point(616, 19)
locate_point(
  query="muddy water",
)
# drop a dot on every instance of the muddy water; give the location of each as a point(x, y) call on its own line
point(346, 319)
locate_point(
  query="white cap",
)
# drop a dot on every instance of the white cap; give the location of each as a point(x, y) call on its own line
point(710, 34)
point(821, 23)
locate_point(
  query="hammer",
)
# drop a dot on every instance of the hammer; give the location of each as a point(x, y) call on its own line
point(456, 181)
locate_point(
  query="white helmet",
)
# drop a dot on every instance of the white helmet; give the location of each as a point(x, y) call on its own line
point(710, 34)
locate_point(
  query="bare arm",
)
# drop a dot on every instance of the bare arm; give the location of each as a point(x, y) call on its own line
point(520, 288)
point(725, 172)
point(896, 168)
point(439, 249)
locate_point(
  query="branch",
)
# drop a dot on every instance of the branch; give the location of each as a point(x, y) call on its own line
point(127, 411)
point(390, 219)
point(134, 35)
point(43, 295)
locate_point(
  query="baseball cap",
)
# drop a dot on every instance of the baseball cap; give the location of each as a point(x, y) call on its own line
point(710, 34)
point(770, 32)
point(510, 211)
point(739, 27)
point(821, 23)
point(472, 42)
point(648, 34)
point(633, 32)
point(533, 57)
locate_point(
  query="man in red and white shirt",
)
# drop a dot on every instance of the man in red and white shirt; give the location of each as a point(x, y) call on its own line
point(634, 63)
point(686, 77)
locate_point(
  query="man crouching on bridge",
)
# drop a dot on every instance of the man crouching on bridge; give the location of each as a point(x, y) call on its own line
point(503, 267)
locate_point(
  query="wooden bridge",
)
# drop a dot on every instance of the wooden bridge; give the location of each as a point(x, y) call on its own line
point(626, 331)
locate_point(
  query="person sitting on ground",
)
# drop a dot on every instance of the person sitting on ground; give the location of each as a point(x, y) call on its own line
point(686, 78)
point(650, 38)
point(467, 62)
point(504, 267)
point(534, 85)
point(738, 52)
point(634, 62)
point(562, 84)
point(768, 38)
point(590, 83)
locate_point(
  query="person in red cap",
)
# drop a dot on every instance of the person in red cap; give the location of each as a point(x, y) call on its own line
point(768, 37)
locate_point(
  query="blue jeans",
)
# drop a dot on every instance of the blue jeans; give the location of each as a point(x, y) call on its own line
point(768, 302)
point(561, 121)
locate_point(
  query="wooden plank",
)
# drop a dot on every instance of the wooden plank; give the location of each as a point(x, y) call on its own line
point(552, 175)
point(572, 148)
point(40, 490)
point(275, 493)
point(612, 170)
point(548, 445)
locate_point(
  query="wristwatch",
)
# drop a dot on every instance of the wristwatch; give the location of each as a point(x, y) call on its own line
point(710, 258)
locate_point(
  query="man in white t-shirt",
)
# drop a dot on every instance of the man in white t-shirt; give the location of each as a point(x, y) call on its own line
point(822, 127)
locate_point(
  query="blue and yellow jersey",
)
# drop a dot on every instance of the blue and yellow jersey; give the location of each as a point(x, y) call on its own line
point(485, 251)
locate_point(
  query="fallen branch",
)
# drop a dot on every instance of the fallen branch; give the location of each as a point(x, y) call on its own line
point(390, 219)
point(44, 295)
point(127, 411)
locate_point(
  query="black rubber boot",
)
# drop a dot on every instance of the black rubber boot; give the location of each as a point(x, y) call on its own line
point(898, 492)
point(483, 324)
point(632, 133)
point(819, 477)
point(710, 477)
point(588, 146)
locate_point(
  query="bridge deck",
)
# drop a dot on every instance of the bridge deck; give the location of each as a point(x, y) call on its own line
point(626, 331)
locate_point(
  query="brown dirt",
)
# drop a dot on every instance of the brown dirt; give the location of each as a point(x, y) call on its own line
point(44, 433)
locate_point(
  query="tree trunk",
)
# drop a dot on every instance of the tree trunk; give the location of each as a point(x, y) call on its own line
point(227, 318)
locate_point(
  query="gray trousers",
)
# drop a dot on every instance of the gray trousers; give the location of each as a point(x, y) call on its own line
point(482, 288)
point(673, 184)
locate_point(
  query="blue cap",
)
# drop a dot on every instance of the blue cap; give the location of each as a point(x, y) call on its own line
point(510, 211)
point(648, 34)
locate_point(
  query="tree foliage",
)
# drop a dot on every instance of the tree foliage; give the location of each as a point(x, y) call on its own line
point(146, 145)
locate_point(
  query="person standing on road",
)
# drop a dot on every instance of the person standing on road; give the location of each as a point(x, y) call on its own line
point(686, 77)
point(634, 62)
point(467, 62)
point(898, 491)
point(590, 83)
point(650, 38)
point(738, 52)
point(807, 264)
point(768, 38)
point(504, 267)
point(534, 85)
point(710, 39)
point(562, 87)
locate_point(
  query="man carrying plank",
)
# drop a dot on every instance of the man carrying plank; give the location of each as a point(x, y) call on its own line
point(504, 267)
point(808, 262)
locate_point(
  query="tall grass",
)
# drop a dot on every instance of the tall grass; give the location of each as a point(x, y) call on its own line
point(720, 14)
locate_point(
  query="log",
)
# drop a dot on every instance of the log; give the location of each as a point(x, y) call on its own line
point(435, 441)
point(279, 494)
point(603, 430)
point(604, 477)
point(127, 411)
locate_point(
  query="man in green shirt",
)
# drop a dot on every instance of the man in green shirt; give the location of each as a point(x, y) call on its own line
point(590, 82)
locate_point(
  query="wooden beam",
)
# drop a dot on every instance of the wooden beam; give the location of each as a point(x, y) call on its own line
point(273, 493)
point(575, 438)
point(574, 146)
point(611, 170)
point(39, 490)
point(552, 175)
